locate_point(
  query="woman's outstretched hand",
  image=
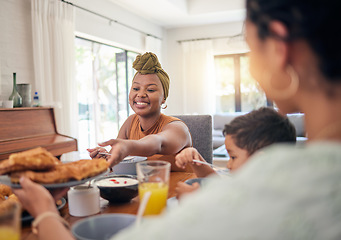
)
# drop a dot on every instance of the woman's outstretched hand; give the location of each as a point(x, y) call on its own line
point(119, 150)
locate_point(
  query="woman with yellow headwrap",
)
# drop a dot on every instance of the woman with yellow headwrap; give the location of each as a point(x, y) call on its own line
point(148, 132)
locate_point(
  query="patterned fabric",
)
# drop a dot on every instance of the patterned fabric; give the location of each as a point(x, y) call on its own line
point(148, 63)
point(136, 133)
point(284, 193)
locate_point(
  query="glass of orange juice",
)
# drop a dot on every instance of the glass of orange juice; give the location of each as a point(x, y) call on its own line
point(153, 176)
point(10, 220)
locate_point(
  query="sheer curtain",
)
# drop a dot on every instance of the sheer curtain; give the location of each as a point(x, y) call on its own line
point(198, 78)
point(54, 60)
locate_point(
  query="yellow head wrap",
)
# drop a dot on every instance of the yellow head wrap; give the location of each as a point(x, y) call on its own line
point(148, 64)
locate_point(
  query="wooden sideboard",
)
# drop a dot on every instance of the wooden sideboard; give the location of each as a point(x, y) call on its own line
point(26, 128)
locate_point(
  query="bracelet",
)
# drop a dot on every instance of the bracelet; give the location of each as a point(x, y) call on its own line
point(45, 215)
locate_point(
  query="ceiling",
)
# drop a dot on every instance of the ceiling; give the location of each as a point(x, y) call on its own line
point(184, 13)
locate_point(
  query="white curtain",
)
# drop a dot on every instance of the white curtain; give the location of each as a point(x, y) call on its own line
point(154, 45)
point(0, 82)
point(199, 77)
point(54, 60)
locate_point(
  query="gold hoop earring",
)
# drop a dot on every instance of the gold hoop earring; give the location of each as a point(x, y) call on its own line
point(287, 93)
point(164, 106)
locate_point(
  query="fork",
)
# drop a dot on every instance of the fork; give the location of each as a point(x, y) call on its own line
point(124, 160)
point(208, 164)
point(104, 153)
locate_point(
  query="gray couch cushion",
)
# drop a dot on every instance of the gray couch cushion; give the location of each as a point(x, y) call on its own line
point(220, 119)
point(298, 120)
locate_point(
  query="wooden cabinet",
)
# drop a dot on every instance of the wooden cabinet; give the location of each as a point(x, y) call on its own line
point(26, 128)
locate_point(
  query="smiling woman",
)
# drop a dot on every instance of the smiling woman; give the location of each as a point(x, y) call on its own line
point(146, 94)
point(148, 132)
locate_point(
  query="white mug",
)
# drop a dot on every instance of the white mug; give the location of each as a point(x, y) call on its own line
point(7, 103)
point(83, 200)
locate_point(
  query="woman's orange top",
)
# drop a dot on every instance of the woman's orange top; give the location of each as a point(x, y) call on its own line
point(137, 133)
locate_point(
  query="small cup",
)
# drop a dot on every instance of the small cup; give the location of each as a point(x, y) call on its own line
point(83, 200)
point(24, 90)
point(7, 103)
point(153, 176)
point(10, 220)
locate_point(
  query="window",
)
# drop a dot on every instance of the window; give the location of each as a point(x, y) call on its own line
point(236, 90)
point(103, 75)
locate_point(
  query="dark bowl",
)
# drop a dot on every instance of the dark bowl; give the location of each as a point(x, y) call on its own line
point(193, 180)
point(120, 189)
point(102, 226)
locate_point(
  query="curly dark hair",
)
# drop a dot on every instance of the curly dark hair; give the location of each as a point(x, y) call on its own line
point(260, 128)
point(315, 21)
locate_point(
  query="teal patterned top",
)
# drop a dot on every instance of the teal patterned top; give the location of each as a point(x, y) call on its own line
point(284, 192)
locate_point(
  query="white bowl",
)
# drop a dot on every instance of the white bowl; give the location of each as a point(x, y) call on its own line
point(128, 165)
point(101, 227)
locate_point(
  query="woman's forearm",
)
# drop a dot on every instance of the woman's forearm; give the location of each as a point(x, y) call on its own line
point(146, 146)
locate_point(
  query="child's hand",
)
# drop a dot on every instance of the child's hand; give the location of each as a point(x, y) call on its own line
point(184, 188)
point(186, 156)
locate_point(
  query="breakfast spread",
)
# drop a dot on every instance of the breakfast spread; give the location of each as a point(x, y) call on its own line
point(5, 191)
point(6, 197)
point(34, 159)
point(41, 166)
point(77, 170)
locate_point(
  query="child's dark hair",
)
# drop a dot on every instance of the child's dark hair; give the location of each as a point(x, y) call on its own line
point(260, 128)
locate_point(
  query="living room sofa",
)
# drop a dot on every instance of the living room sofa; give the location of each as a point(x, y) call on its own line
point(220, 119)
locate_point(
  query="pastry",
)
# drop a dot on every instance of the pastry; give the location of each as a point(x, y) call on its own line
point(77, 170)
point(7, 198)
point(34, 159)
point(5, 190)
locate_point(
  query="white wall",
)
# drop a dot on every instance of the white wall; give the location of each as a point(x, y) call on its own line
point(95, 27)
point(16, 41)
point(16, 38)
point(15, 44)
point(173, 61)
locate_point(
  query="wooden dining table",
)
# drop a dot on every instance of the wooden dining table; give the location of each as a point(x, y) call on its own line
point(105, 207)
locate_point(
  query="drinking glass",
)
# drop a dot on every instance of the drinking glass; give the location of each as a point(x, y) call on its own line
point(10, 220)
point(153, 176)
